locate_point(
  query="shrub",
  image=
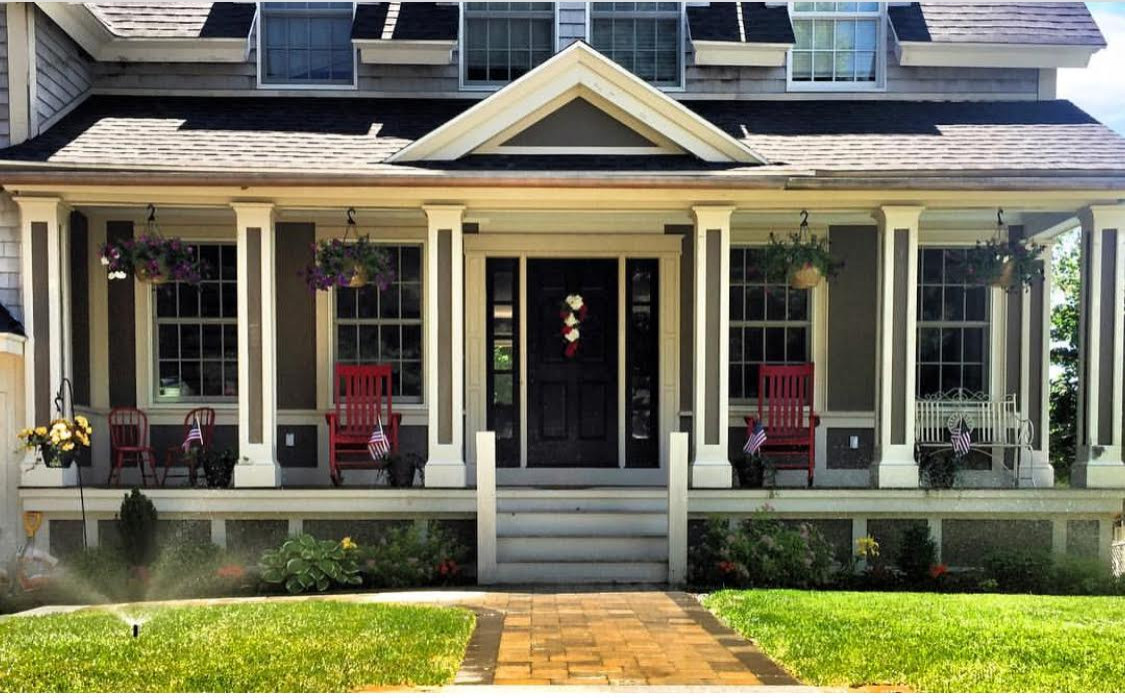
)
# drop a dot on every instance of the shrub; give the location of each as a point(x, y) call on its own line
point(917, 553)
point(1020, 570)
point(195, 570)
point(762, 552)
point(137, 525)
point(304, 564)
point(410, 556)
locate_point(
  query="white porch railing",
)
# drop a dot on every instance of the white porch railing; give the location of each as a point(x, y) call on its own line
point(994, 423)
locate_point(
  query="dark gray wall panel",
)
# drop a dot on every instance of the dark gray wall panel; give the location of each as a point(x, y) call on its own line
point(80, 307)
point(40, 288)
point(898, 345)
point(969, 541)
point(1081, 538)
point(122, 340)
point(247, 538)
point(303, 452)
point(1105, 351)
point(852, 319)
point(296, 318)
point(840, 455)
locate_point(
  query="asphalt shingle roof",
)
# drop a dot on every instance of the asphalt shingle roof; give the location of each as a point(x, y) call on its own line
point(8, 324)
point(1046, 23)
point(417, 21)
point(718, 21)
point(147, 20)
point(357, 136)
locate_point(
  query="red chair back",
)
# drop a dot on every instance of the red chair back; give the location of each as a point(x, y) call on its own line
point(785, 397)
point(206, 417)
point(128, 428)
point(362, 396)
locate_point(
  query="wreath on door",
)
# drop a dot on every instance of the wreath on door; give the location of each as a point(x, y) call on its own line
point(573, 313)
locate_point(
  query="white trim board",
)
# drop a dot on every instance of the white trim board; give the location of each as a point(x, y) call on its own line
point(574, 68)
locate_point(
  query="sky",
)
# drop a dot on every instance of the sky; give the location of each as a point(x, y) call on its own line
point(1100, 88)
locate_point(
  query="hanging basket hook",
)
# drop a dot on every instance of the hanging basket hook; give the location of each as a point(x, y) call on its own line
point(151, 214)
point(351, 216)
point(999, 218)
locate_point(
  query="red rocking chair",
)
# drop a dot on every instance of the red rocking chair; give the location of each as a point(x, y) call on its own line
point(206, 417)
point(786, 413)
point(128, 441)
point(362, 395)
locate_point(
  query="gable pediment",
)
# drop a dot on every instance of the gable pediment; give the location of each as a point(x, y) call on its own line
point(579, 102)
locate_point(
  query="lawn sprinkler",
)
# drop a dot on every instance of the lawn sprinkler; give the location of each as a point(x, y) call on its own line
point(136, 630)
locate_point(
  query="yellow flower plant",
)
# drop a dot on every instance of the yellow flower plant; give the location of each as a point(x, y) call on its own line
point(62, 437)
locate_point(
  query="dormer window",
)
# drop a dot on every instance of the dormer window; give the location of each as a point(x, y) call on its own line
point(840, 46)
point(306, 44)
point(645, 38)
point(505, 40)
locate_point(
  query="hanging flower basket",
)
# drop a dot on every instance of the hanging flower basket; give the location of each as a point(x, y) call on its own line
point(1008, 264)
point(59, 442)
point(152, 258)
point(801, 258)
point(349, 264)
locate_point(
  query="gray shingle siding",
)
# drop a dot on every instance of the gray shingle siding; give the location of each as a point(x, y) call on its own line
point(572, 23)
point(10, 256)
point(5, 124)
point(63, 71)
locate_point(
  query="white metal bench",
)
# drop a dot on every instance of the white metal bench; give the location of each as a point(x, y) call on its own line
point(994, 423)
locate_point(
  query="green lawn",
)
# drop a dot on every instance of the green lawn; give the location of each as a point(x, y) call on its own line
point(308, 646)
point(936, 642)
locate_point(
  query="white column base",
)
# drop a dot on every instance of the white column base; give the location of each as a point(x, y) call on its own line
point(712, 476)
point(896, 469)
point(1099, 467)
point(1037, 471)
point(447, 475)
point(257, 475)
point(33, 473)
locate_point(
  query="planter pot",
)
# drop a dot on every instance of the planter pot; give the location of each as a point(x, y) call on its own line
point(400, 472)
point(147, 277)
point(805, 278)
point(358, 278)
point(1007, 273)
point(56, 458)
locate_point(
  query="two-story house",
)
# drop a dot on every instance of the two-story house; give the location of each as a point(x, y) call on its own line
point(507, 156)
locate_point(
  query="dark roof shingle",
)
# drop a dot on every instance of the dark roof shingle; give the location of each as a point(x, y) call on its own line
point(153, 20)
point(415, 21)
point(1037, 23)
point(357, 136)
point(8, 324)
point(719, 21)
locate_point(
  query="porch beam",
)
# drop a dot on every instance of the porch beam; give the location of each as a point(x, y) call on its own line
point(1100, 350)
point(257, 342)
point(711, 338)
point(44, 235)
point(894, 465)
point(445, 330)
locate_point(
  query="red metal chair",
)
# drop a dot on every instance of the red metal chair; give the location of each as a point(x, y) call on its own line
point(128, 441)
point(206, 417)
point(362, 396)
point(785, 411)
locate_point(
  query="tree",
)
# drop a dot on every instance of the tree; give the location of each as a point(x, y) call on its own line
point(1064, 354)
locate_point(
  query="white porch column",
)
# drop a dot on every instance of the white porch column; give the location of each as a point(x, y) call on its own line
point(1100, 348)
point(257, 342)
point(895, 354)
point(445, 362)
point(711, 399)
point(1035, 376)
point(43, 250)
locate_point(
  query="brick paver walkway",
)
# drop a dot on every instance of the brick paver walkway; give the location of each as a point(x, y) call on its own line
point(609, 638)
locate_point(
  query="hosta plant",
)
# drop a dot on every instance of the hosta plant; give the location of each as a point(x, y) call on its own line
point(303, 564)
point(350, 264)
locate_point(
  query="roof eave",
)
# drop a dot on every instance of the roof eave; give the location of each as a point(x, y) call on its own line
point(991, 55)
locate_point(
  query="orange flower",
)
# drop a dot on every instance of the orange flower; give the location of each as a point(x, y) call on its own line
point(231, 571)
point(938, 570)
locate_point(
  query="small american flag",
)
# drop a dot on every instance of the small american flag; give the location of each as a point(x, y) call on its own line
point(194, 435)
point(959, 437)
point(756, 440)
point(378, 445)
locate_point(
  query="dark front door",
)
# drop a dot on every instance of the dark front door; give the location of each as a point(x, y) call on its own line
point(572, 395)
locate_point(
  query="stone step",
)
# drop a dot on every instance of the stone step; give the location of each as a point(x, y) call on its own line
point(571, 523)
point(582, 549)
point(581, 572)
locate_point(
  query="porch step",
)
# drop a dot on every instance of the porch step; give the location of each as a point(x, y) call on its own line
point(582, 549)
point(593, 500)
point(581, 572)
point(570, 523)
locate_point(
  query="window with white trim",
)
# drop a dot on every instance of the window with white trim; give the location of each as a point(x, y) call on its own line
point(770, 323)
point(505, 40)
point(953, 324)
point(839, 45)
point(645, 38)
point(197, 331)
point(307, 43)
point(385, 327)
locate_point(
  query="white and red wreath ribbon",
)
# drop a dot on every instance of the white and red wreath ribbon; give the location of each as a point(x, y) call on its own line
point(573, 313)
